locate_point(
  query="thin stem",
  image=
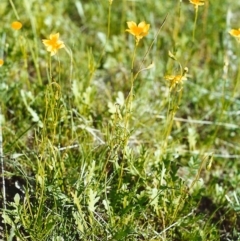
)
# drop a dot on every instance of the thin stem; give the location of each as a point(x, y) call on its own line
point(50, 69)
point(59, 66)
point(195, 22)
point(130, 95)
point(123, 15)
point(169, 123)
point(69, 51)
point(133, 58)
point(173, 105)
point(129, 101)
point(14, 9)
point(238, 75)
point(154, 40)
point(109, 21)
point(179, 10)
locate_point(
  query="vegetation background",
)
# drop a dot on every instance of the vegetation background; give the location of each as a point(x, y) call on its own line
point(84, 164)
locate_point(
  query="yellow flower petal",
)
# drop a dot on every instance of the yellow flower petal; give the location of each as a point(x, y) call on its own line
point(175, 80)
point(131, 24)
point(144, 28)
point(235, 32)
point(16, 25)
point(53, 44)
point(1, 62)
point(139, 31)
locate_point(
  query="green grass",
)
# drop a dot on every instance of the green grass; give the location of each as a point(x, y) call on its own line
point(104, 155)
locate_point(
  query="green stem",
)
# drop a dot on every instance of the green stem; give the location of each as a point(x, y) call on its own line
point(14, 9)
point(50, 70)
point(129, 101)
point(109, 21)
point(59, 74)
point(133, 58)
point(238, 76)
point(195, 22)
point(130, 95)
point(172, 110)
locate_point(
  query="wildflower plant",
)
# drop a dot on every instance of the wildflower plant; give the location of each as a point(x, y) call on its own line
point(138, 31)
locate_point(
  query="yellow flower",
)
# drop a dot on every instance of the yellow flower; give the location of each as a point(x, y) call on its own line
point(139, 31)
point(53, 44)
point(197, 2)
point(16, 25)
point(235, 33)
point(1, 62)
point(175, 80)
